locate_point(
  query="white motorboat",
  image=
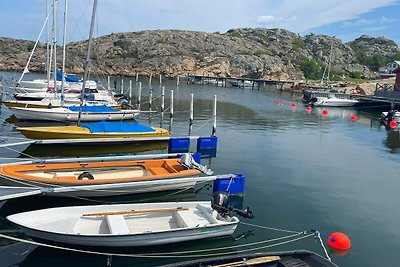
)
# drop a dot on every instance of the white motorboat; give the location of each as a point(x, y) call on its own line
point(126, 225)
point(65, 114)
point(332, 101)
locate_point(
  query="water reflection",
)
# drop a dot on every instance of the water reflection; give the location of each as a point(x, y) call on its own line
point(392, 141)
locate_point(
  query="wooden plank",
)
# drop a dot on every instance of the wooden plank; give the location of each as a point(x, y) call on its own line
point(245, 262)
point(134, 211)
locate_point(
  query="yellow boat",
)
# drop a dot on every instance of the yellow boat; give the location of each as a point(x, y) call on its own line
point(96, 130)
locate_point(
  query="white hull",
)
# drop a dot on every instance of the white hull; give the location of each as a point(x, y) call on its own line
point(113, 189)
point(64, 114)
point(142, 224)
point(334, 102)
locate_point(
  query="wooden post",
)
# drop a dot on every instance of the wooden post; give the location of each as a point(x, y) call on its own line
point(214, 128)
point(160, 79)
point(130, 90)
point(162, 98)
point(139, 94)
point(122, 86)
point(177, 81)
point(137, 77)
point(108, 82)
point(191, 114)
point(150, 98)
point(150, 79)
point(172, 104)
point(171, 114)
point(162, 105)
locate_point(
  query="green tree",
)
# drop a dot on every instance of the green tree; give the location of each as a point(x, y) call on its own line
point(311, 69)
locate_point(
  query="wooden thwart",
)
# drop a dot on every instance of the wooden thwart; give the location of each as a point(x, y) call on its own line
point(249, 262)
point(134, 211)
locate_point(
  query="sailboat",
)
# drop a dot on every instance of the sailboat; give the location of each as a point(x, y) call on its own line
point(101, 129)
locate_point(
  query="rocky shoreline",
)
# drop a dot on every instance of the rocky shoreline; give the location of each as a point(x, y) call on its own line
point(258, 53)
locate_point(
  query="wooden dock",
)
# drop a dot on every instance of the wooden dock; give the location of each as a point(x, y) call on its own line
point(385, 97)
point(237, 82)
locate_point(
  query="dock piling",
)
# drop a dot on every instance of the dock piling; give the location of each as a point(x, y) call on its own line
point(214, 128)
point(191, 114)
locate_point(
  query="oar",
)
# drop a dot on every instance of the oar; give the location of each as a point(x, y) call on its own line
point(249, 262)
point(134, 211)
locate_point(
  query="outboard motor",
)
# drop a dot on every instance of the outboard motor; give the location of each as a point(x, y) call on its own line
point(220, 203)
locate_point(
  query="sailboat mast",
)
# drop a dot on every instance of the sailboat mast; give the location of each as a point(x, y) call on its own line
point(86, 64)
point(55, 44)
point(47, 46)
point(63, 54)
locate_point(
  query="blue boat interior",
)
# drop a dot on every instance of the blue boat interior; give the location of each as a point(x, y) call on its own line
point(117, 126)
point(98, 108)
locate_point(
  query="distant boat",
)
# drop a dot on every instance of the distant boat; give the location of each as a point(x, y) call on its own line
point(126, 225)
point(65, 114)
point(103, 129)
point(242, 83)
point(332, 101)
point(300, 258)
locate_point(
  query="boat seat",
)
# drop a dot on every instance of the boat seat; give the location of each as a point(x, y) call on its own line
point(117, 224)
point(158, 170)
point(188, 219)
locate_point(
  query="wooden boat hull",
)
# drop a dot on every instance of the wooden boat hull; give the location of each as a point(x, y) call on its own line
point(93, 173)
point(64, 114)
point(268, 259)
point(76, 132)
point(143, 224)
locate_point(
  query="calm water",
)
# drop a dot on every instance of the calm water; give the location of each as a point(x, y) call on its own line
point(304, 171)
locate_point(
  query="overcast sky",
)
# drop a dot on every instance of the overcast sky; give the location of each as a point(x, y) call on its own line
point(345, 19)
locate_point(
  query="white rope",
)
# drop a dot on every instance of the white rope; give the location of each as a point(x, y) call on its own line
point(270, 228)
point(323, 246)
point(151, 255)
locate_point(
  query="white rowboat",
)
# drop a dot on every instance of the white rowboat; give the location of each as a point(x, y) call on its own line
point(126, 225)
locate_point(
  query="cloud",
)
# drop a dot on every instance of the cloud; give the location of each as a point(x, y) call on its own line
point(206, 15)
point(359, 22)
point(272, 19)
point(374, 29)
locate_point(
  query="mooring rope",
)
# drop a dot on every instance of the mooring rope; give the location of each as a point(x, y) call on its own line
point(152, 255)
point(323, 246)
point(270, 228)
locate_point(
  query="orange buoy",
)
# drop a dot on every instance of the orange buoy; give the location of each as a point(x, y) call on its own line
point(308, 109)
point(325, 112)
point(339, 241)
point(278, 102)
point(293, 105)
point(353, 118)
point(393, 124)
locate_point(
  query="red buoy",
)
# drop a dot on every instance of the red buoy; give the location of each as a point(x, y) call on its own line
point(293, 105)
point(278, 102)
point(308, 109)
point(325, 112)
point(353, 118)
point(339, 241)
point(393, 124)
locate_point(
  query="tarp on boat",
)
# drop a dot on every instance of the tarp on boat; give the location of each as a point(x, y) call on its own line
point(117, 126)
point(68, 78)
point(97, 108)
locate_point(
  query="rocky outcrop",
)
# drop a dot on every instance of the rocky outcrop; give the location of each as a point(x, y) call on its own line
point(375, 45)
point(256, 53)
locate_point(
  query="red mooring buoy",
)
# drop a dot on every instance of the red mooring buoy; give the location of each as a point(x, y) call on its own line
point(339, 241)
point(393, 124)
point(353, 118)
point(293, 105)
point(308, 109)
point(325, 112)
point(278, 102)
